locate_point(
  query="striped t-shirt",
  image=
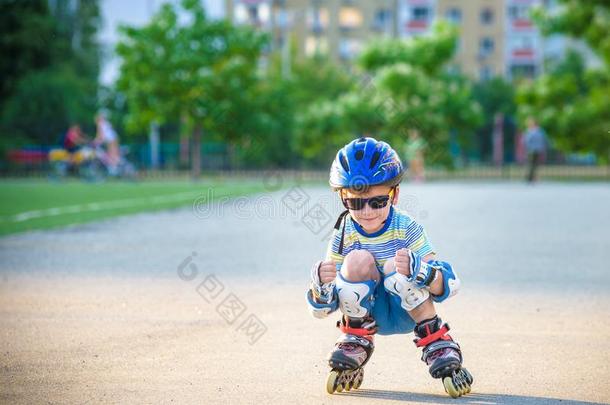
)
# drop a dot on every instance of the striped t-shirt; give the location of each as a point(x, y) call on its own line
point(399, 231)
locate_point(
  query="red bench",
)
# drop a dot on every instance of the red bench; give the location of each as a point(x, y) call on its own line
point(27, 156)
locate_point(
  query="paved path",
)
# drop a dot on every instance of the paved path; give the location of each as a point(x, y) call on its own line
point(123, 311)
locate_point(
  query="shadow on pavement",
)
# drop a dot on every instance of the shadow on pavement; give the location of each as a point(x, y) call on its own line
point(472, 398)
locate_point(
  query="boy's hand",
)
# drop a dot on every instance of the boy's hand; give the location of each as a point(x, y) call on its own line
point(328, 271)
point(402, 262)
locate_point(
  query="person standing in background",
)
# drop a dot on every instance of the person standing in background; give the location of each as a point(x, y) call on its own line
point(414, 155)
point(536, 143)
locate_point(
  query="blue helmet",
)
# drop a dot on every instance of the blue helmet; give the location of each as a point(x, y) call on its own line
point(365, 162)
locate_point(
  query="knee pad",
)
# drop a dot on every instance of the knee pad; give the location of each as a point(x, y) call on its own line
point(399, 286)
point(356, 299)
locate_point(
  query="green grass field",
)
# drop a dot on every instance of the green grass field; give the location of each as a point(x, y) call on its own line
point(38, 204)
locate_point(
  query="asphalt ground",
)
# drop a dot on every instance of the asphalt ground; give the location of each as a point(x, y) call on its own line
point(206, 304)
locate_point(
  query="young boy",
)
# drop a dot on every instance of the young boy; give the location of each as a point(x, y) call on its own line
point(381, 272)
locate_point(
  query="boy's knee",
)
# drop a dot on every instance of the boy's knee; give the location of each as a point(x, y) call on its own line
point(359, 265)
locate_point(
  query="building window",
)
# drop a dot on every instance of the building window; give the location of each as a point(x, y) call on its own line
point(421, 13)
point(487, 16)
point(454, 15)
point(349, 48)
point(486, 72)
point(523, 71)
point(383, 20)
point(519, 12)
point(264, 13)
point(253, 14)
point(486, 46)
point(522, 42)
point(350, 17)
point(241, 13)
point(419, 19)
point(317, 19)
point(316, 46)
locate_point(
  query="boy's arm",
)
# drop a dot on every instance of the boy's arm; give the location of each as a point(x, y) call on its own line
point(445, 283)
point(436, 287)
point(321, 296)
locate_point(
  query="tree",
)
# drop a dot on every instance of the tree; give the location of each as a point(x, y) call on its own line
point(49, 80)
point(314, 81)
point(22, 25)
point(202, 72)
point(44, 103)
point(570, 101)
point(588, 20)
point(77, 23)
point(495, 96)
point(403, 87)
point(270, 141)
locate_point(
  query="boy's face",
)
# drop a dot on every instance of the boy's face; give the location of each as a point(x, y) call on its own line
point(371, 219)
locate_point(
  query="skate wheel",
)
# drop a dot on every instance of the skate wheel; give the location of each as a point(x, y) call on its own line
point(450, 388)
point(464, 378)
point(358, 380)
point(348, 381)
point(339, 388)
point(468, 376)
point(331, 381)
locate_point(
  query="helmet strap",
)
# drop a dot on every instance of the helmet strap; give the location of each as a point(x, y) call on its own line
point(337, 225)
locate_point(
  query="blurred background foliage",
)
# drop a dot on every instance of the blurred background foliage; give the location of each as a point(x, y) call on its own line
point(208, 81)
point(49, 67)
point(571, 101)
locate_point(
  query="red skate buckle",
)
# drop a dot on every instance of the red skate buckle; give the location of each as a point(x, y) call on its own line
point(345, 328)
point(433, 337)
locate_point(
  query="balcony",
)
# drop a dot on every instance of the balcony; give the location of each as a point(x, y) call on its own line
point(522, 55)
point(522, 23)
point(416, 26)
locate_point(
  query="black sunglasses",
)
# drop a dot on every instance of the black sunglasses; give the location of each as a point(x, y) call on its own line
point(379, 201)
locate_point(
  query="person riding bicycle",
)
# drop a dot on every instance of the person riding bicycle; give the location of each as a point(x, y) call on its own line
point(106, 135)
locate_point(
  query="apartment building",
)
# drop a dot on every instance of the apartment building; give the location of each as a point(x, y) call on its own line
point(482, 39)
point(336, 28)
point(497, 37)
point(524, 49)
